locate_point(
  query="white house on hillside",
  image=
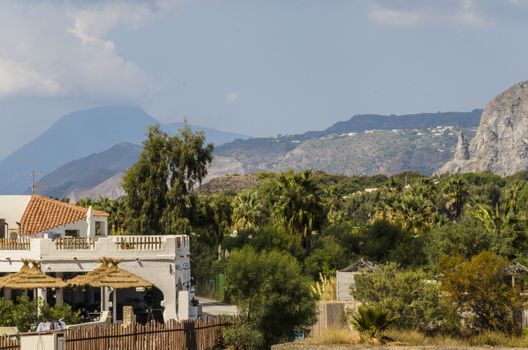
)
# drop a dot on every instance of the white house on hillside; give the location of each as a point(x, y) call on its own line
point(67, 240)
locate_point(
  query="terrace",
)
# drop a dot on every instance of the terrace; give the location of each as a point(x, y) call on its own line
point(170, 247)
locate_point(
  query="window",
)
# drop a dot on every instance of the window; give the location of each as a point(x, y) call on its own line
point(100, 228)
point(71, 233)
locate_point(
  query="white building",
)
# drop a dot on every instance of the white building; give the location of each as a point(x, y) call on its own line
point(68, 240)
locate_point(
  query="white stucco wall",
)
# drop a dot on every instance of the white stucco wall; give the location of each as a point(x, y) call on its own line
point(82, 227)
point(12, 208)
point(163, 266)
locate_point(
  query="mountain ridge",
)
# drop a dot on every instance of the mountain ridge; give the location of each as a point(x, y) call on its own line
point(79, 134)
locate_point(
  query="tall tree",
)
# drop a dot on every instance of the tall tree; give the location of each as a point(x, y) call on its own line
point(160, 184)
point(298, 205)
point(455, 194)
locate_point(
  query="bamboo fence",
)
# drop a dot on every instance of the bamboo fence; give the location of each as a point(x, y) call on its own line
point(194, 335)
point(14, 244)
point(8, 343)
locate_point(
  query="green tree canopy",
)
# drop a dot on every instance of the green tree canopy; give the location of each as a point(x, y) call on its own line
point(479, 292)
point(271, 292)
point(160, 184)
point(298, 205)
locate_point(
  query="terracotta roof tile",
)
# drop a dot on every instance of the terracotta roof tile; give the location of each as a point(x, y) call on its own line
point(44, 213)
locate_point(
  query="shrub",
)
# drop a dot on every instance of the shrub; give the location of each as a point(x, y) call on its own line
point(242, 337)
point(271, 293)
point(478, 292)
point(371, 321)
point(410, 298)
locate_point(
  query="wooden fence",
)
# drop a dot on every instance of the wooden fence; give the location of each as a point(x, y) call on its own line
point(73, 243)
point(173, 335)
point(14, 244)
point(139, 242)
point(7, 343)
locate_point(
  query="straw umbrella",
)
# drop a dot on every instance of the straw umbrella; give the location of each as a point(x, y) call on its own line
point(30, 278)
point(116, 278)
point(83, 280)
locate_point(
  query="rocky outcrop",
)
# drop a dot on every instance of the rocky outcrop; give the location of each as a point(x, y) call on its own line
point(500, 145)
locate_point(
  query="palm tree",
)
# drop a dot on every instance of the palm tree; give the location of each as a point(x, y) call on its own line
point(334, 203)
point(248, 212)
point(455, 194)
point(298, 205)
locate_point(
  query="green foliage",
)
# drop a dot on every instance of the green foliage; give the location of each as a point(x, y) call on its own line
point(410, 297)
point(466, 238)
point(242, 337)
point(298, 205)
point(160, 184)
point(23, 313)
point(478, 292)
point(248, 212)
point(327, 256)
point(455, 195)
point(371, 321)
point(271, 293)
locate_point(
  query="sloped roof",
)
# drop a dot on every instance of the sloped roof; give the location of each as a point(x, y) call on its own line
point(360, 265)
point(44, 213)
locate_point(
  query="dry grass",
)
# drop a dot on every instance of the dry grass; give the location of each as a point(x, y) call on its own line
point(334, 336)
point(414, 338)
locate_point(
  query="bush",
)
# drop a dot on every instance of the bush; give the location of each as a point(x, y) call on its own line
point(410, 298)
point(370, 321)
point(478, 292)
point(271, 293)
point(242, 337)
point(23, 314)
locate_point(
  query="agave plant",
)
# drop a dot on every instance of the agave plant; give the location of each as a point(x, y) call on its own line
point(371, 321)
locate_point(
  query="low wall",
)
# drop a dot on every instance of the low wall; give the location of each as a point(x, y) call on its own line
point(295, 346)
point(330, 315)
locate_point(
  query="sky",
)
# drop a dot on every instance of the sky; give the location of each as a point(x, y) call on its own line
point(260, 68)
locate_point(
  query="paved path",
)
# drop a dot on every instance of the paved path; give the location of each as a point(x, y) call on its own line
point(215, 307)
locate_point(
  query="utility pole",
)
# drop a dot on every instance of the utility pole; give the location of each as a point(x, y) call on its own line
point(33, 183)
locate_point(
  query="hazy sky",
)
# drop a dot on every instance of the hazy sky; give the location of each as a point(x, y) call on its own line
point(253, 66)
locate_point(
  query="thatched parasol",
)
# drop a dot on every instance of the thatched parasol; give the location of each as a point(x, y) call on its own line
point(118, 278)
point(83, 280)
point(110, 276)
point(30, 278)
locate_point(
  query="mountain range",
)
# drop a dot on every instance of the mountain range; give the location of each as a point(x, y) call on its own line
point(80, 134)
point(362, 145)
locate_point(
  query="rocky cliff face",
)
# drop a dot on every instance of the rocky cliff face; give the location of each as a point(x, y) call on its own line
point(500, 145)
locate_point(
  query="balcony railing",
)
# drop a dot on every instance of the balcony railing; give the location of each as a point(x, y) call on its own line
point(138, 242)
point(74, 243)
point(14, 244)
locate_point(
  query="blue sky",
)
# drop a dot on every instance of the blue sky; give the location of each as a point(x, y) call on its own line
point(256, 67)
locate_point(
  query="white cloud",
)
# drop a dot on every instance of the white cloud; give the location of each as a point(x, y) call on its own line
point(412, 13)
point(232, 97)
point(15, 79)
point(62, 49)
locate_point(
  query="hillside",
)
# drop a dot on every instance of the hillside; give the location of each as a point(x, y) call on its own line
point(363, 153)
point(80, 134)
point(303, 150)
point(88, 172)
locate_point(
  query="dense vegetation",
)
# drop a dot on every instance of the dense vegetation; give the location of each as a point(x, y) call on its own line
point(444, 246)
